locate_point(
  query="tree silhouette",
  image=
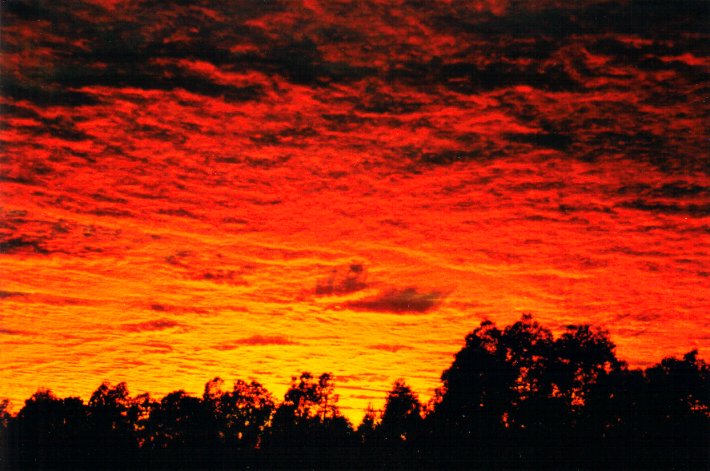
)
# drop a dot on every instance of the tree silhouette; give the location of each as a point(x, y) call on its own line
point(307, 428)
point(367, 430)
point(4, 414)
point(476, 391)
point(397, 439)
point(401, 419)
point(241, 415)
point(48, 432)
point(515, 398)
point(5, 420)
point(112, 420)
point(181, 421)
point(678, 405)
point(584, 357)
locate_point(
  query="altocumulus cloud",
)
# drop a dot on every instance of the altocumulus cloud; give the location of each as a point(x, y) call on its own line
point(255, 340)
point(398, 301)
point(343, 281)
point(389, 348)
point(158, 324)
point(5, 331)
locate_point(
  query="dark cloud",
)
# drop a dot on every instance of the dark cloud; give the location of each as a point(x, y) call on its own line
point(549, 140)
point(675, 190)
point(568, 208)
point(20, 244)
point(49, 95)
point(140, 53)
point(449, 156)
point(343, 280)
point(617, 128)
point(283, 136)
point(693, 210)
point(180, 212)
point(143, 73)
point(377, 101)
point(111, 212)
point(398, 301)
point(563, 19)
point(223, 276)
point(132, 50)
point(108, 199)
point(119, 53)
point(525, 21)
point(648, 17)
point(625, 52)
point(255, 340)
point(473, 78)
point(263, 163)
point(158, 324)
point(550, 46)
point(681, 190)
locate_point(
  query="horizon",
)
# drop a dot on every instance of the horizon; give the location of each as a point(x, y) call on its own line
point(428, 404)
point(258, 189)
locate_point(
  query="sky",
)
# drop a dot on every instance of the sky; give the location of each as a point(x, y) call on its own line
point(252, 189)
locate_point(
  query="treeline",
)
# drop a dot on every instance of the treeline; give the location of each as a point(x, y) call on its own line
point(513, 398)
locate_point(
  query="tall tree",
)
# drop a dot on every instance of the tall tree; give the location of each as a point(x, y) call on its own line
point(242, 414)
point(308, 420)
point(402, 417)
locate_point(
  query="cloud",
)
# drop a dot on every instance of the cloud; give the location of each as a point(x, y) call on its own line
point(343, 281)
point(45, 95)
point(159, 324)
point(398, 301)
point(37, 125)
point(389, 348)
point(556, 141)
point(180, 46)
point(449, 156)
point(693, 210)
point(111, 212)
point(216, 275)
point(681, 190)
point(5, 331)
point(470, 78)
point(157, 347)
point(255, 340)
point(179, 212)
point(18, 244)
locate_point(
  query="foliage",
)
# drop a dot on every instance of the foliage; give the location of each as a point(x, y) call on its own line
point(512, 398)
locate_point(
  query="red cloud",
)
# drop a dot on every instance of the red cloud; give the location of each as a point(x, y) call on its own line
point(256, 340)
point(159, 324)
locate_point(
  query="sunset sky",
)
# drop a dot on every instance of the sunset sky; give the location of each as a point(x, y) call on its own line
point(252, 189)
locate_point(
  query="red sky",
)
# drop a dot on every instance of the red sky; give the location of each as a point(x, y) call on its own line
point(194, 190)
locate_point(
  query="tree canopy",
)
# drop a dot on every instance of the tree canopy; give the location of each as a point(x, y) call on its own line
point(515, 397)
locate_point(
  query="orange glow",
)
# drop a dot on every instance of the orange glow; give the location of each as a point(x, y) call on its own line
point(347, 212)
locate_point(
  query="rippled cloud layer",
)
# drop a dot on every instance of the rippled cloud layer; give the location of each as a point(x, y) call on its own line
point(252, 189)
